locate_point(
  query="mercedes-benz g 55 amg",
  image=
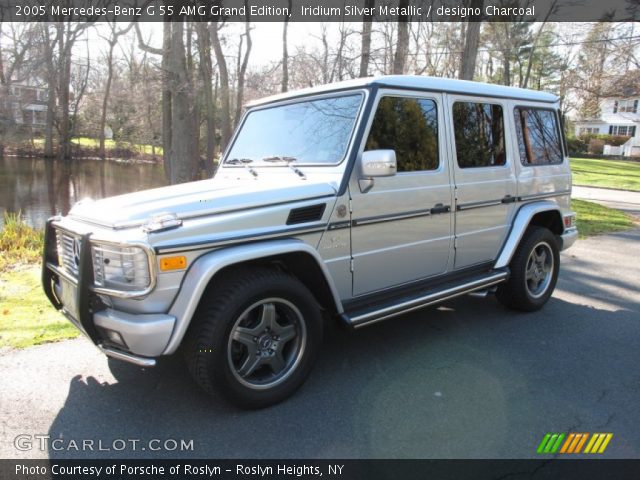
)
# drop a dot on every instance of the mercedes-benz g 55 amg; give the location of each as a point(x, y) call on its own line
point(353, 202)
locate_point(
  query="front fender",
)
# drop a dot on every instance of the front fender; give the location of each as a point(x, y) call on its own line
point(519, 226)
point(208, 265)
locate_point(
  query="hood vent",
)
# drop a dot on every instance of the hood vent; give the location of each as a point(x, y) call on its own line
point(312, 213)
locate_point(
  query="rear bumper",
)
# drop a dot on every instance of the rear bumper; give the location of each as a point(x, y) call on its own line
point(568, 238)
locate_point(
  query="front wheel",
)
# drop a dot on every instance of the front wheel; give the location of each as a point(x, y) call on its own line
point(256, 338)
point(534, 271)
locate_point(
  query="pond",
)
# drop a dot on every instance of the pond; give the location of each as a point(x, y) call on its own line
point(40, 188)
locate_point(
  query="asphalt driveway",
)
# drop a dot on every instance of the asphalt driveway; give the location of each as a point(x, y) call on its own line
point(469, 379)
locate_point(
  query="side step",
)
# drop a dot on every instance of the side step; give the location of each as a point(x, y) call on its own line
point(416, 300)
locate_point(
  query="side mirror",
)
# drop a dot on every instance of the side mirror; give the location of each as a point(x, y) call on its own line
point(376, 163)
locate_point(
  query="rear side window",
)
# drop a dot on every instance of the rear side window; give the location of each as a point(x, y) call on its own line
point(538, 133)
point(410, 127)
point(479, 134)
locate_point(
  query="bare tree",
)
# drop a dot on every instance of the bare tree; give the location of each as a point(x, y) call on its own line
point(206, 74)
point(285, 53)
point(242, 67)
point(112, 41)
point(402, 45)
point(366, 38)
point(225, 102)
point(471, 41)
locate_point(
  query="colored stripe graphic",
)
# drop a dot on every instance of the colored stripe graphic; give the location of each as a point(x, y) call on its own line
point(551, 443)
point(598, 443)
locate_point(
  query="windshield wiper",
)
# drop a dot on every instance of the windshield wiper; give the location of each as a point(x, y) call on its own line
point(244, 162)
point(289, 161)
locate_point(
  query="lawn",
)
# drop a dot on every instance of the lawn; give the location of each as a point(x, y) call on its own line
point(26, 316)
point(108, 145)
point(606, 173)
point(594, 219)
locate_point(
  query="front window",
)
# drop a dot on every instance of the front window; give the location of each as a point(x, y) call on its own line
point(409, 126)
point(309, 132)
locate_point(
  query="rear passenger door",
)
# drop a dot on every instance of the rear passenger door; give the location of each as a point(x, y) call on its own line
point(401, 227)
point(485, 183)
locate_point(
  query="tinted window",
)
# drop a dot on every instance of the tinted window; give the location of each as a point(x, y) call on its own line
point(410, 127)
point(538, 136)
point(314, 131)
point(479, 133)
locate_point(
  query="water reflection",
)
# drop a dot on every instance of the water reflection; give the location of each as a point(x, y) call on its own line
point(41, 188)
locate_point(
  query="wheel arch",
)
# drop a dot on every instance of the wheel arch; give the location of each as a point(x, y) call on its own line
point(542, 213)
point(294, 256)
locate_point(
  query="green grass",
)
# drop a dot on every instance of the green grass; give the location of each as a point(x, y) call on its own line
point(19, 243)
point(26, 316)
point(606, 173)
point(112, 144)
point(594, 219)
point(108, 145)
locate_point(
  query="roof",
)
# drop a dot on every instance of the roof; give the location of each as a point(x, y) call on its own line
point(416, 82)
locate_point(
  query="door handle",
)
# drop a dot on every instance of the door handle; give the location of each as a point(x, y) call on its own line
point(440, 208)
point(508, 199)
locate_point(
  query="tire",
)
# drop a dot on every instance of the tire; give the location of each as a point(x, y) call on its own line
point(534, 271)
point(254, 337)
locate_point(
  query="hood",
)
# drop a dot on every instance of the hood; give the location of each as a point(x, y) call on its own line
point(194, 199)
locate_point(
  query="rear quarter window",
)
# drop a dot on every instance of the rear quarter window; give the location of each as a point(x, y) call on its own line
point(538, 133)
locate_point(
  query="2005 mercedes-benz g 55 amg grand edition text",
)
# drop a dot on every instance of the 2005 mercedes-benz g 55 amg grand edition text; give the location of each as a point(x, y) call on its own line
point(353, 202)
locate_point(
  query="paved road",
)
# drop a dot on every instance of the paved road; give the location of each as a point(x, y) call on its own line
point(619, 199)
point(469, 379)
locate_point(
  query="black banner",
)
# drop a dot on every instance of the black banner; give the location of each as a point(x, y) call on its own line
point(550, 468)
point(320, 10)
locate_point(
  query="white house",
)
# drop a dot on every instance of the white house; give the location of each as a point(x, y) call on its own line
point(618, 116)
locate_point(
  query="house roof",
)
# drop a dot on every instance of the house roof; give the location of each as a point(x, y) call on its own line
point(416, 82)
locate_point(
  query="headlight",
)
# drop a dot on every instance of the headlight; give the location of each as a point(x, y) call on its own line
point(120, 268)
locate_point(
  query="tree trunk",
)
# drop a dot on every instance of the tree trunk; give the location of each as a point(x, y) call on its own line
point(64, 84)
point(167, 134)
point(471, 40)
point(242, 71)
point(365, 51)
point(183, 157)
point(225, 103)
point(285, 54)
point(402, 45)
point(50, 118)
point(204, 50)
point(105, 99)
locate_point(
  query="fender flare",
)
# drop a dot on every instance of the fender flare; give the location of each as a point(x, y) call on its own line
point(519, 226)
point(208, 265)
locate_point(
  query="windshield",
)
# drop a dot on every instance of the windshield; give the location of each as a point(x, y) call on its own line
point(314, 131)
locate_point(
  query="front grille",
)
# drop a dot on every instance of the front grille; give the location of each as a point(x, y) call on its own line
point(68, 252)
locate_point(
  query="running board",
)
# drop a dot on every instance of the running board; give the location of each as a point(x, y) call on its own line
point(399, 306)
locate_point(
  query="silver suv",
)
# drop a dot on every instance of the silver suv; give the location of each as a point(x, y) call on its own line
point(353, 202)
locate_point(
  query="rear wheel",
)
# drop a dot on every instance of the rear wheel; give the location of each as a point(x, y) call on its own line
point(534, 271)
point(255, 339)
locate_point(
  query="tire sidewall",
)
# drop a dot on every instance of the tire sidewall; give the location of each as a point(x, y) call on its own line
point(537, 236)
point(223, 377)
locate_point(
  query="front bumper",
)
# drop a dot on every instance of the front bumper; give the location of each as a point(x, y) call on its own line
point(568, 238)
point(140, 336)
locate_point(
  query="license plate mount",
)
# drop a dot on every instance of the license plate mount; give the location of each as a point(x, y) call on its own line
point(70, 298)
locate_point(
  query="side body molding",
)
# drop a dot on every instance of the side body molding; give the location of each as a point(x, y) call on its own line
point(519, 226)
point(205, 267)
